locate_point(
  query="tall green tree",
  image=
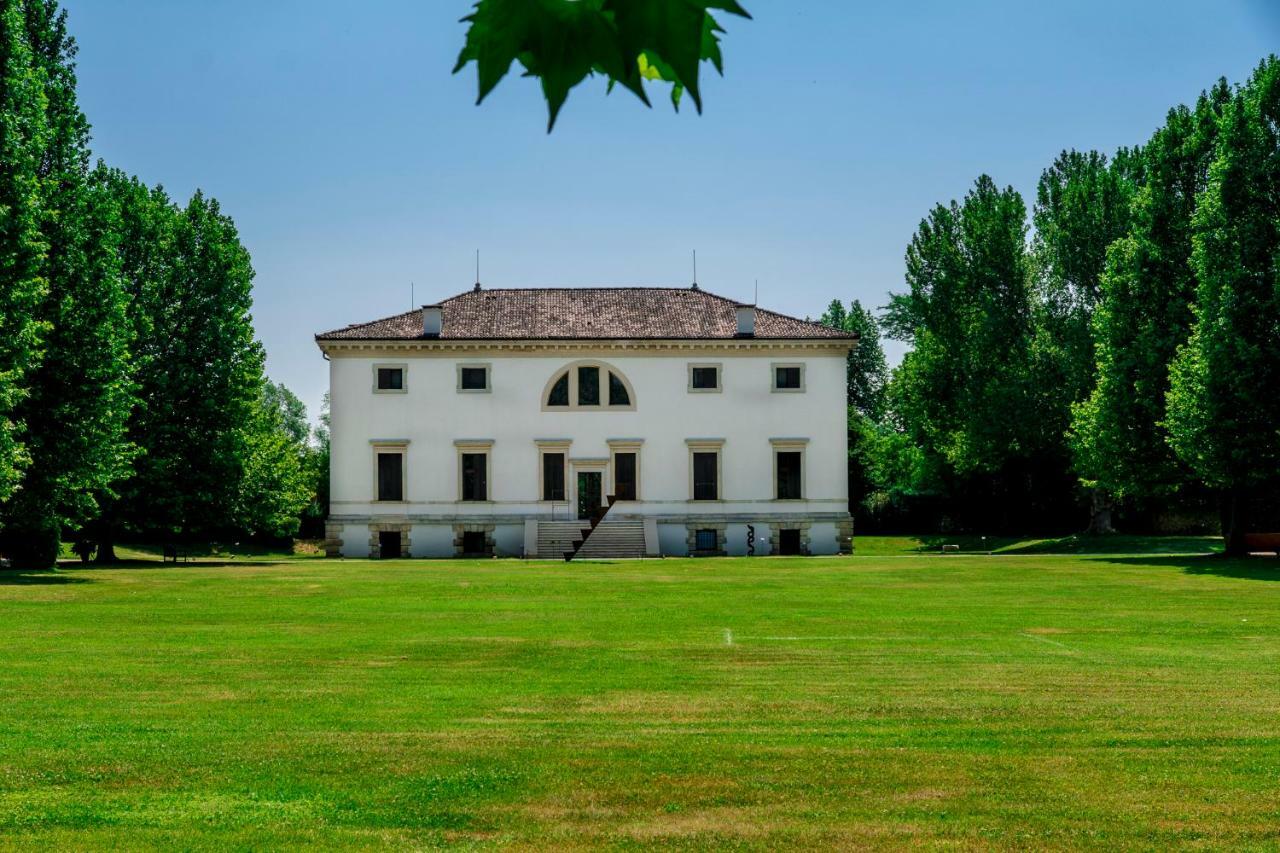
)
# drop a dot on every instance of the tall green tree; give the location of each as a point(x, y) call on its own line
point(1082, 206)
point(275, 482)
point(866, 375)
point(147, 225)
point(23, 136)
point(867, 372)
point(969, 299)
point(317, 464)
point(80, 395)
point(202, 381)
point(1144, 313)
point(1224, 396)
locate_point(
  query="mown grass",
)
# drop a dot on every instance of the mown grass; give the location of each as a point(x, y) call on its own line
point(1029, 701)
point(1075, 544)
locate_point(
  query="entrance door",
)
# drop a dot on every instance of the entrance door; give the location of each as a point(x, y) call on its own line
point(590, 494)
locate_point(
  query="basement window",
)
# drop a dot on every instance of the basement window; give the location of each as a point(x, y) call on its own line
point(706, 540)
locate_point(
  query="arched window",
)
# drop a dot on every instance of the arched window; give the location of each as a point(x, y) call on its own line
point(588, 386)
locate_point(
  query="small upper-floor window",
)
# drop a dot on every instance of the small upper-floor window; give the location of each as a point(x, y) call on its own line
point(388, 377)
point(788, 377)
point(704, 377)
point(589, 385)
point(473, 377)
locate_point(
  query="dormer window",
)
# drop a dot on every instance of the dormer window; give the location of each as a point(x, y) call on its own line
point(589, 386)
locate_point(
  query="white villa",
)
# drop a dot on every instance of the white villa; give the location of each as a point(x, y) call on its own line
point(593, 422)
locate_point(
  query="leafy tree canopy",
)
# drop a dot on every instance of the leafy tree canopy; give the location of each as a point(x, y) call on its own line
point(1144, 312)
point(868, 373)
point(1224, 395)
point(562, 42)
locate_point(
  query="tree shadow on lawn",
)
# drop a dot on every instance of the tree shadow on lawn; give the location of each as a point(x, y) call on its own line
point(193, 563)
point(27, 577)
point(1245, 568)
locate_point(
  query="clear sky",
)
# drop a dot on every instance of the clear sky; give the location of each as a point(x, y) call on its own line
point(354, 163)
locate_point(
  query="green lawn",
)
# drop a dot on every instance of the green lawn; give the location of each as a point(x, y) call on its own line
point(972, 701)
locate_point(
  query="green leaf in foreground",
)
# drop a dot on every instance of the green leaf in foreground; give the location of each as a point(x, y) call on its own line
point(562, 42)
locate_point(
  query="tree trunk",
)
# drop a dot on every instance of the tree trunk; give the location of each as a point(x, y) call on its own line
point(1100, 507)
point(106, 552)
point(104, 534)
point(1235, 522)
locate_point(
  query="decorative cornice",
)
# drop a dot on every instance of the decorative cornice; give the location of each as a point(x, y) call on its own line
point(480, 347)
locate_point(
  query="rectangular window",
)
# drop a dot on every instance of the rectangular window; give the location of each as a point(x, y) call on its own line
point(475, 479)
point(390, 379)
point(390, 476)
point(704, 378)
point(553, 477)
point(473, 378)
point(789, 477)
point(588, 386)
point(706, 476)
point(706, 540)
point(624, 476)
point(787, 378)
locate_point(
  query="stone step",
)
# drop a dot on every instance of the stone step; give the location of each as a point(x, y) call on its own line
point(614, 540)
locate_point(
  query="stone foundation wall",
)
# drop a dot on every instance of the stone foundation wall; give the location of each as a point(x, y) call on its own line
point(333, 539)
point(844, 535)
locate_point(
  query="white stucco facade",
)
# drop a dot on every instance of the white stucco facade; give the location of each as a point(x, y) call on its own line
point(432, 422)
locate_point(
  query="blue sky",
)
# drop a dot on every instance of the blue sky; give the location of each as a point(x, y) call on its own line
point(354, 163)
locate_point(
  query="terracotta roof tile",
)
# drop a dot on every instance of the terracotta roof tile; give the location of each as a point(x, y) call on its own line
point(585, 313)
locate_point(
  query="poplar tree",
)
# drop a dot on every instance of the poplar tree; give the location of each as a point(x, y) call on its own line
point(1224, 396)
point(147, 224)
point(203, 382)
point(1082, 207)
point(867, 376)
point(1144, 313)
point(80, 395)
point(867, 372)
point(23, 133)
point(968, 315)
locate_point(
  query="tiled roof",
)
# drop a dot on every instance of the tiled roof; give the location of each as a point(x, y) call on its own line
point(664, 313)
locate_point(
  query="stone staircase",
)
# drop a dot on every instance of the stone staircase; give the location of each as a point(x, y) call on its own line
point(557, 537)
point(614, 538)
